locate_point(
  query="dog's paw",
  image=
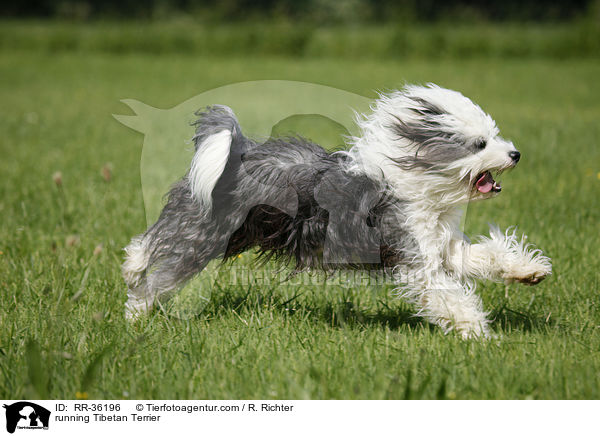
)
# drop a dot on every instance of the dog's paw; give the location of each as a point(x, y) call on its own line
point(474, 335)
point(136, 307)
point(530, 273)
point(474, 331)
point(531, 280)
point(515, 259)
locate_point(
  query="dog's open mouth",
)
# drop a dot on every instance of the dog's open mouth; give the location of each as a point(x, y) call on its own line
point(485, 183)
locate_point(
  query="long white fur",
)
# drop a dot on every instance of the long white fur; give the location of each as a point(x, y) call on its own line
point(442, 283)
point(501, 257)
point(207, 166)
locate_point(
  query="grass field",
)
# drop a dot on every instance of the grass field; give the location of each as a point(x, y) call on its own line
point(62, 330)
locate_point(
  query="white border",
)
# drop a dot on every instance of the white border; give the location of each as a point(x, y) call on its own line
point(330, 418)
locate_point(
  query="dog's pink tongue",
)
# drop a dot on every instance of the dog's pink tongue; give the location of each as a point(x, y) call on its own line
point(485, 183)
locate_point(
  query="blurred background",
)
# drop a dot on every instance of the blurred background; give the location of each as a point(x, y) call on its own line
point(342, 28)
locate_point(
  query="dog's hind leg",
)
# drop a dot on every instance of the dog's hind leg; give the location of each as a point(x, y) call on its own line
point(155, 288)
point(134, 273)
point(177, 247)
point(187, 235)
point(136, 262)
point(169, 261)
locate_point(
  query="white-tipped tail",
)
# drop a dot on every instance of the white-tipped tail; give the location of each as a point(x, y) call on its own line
point(208, 165)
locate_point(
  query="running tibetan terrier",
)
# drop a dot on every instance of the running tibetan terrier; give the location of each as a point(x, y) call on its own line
point(391, 202)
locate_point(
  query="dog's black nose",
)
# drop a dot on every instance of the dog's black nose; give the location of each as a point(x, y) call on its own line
point(515, 155)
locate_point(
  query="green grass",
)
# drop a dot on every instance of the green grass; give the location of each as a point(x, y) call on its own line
point(62, 329)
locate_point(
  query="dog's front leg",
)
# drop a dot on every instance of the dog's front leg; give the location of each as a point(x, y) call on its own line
point(501, 257)
point(450, 304)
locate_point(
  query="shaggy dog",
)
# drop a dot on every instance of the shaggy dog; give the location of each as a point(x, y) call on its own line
point(391, 202)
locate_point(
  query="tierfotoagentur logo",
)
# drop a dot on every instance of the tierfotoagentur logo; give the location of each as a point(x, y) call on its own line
point(25, 415)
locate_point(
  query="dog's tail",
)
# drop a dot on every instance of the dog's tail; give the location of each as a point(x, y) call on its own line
point(217, 129)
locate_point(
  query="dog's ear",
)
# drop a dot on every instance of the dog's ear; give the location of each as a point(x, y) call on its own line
point(420, 122)
point(425, 108)
point(425, 141)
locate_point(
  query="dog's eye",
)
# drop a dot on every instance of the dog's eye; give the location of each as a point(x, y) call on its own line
point(480, 144)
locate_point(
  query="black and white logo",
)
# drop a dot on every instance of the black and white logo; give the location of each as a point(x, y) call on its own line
point(26, 415)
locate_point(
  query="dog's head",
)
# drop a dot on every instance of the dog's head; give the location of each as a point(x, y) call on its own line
point(437, 138)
